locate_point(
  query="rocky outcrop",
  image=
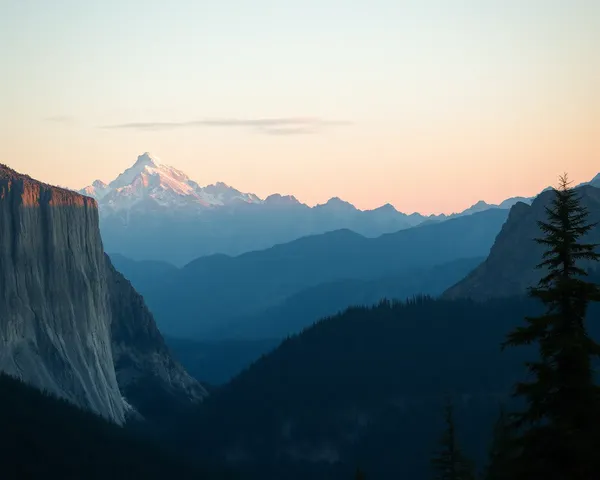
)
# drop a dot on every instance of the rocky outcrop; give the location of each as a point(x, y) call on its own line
point(511, 265)
point(143, 363)
point(69, 323)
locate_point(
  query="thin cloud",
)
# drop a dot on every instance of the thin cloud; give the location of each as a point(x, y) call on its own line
point(288, 130)
point(61, 119)
point(270, 126)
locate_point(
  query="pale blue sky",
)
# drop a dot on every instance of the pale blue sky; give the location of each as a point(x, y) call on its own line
point(433, 91)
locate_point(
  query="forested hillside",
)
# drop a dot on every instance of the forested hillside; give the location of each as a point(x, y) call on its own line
point(44, 437)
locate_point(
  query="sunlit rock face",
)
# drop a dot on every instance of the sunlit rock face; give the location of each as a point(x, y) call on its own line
point(60, 327)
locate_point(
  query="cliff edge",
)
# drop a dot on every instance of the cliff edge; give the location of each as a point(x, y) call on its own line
point(69, 323)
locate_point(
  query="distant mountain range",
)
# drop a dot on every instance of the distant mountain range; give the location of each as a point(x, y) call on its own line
point(155, 212)
point(217, 295)
point(149, 184)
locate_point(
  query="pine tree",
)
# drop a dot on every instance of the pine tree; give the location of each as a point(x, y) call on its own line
point(449, 463)
point(500, 454)
point(559, 430)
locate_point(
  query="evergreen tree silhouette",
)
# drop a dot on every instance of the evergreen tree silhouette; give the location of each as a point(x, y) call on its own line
point(558, 431)
point(500, 454)
point(449, 463)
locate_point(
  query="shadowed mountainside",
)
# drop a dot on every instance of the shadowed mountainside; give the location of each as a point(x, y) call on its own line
point(510, 266)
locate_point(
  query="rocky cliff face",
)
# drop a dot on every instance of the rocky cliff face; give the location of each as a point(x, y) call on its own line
point(68, 322)
point(147, 375)
point(510, 266)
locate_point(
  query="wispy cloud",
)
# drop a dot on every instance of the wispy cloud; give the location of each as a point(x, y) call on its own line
point(270, 126)
point(61, 119)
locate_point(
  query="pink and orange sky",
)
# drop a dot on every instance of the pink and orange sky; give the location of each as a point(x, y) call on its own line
point(430, 105)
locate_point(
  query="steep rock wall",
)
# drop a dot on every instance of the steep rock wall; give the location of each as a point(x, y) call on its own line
point(69, 322)
point(54, 305)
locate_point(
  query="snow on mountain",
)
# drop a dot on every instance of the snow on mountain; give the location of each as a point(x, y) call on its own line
point(226, 194)
point(150, 184)
point(97, 190)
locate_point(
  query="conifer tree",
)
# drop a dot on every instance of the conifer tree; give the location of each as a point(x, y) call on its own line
point(500, 454)
point(449, 463)
point(558, 431)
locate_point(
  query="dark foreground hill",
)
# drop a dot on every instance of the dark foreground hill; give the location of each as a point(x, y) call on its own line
point(45, 437)
point(368, 386)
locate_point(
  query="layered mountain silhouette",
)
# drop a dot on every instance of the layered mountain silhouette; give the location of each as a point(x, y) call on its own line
point(155, 212)
point(232, 346)
point(510, 266)
point(209, 294)
point(69, 322)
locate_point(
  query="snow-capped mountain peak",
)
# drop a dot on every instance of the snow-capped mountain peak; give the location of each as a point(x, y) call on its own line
point(150, 184)
point(146, 159)
point(149, 165)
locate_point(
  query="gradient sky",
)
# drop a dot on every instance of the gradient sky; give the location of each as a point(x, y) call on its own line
point(430, 105)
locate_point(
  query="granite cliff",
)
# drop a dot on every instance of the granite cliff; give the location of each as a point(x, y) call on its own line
point(69, 323)
point(510, 267)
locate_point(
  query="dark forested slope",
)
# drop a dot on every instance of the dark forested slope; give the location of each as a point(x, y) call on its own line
point(44, 437)
point(367, 384)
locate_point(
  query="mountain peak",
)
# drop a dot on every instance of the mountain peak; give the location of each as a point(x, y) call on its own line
point(147, 160)
point(388, 207)
point(150, 184)
point(337, 201)
point(278, 199)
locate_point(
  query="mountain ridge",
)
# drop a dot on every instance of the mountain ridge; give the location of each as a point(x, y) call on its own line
point(510, 266)
point(212, 290)
point(155, 212)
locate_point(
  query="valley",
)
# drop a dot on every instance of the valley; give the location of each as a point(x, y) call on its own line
point(307, 358)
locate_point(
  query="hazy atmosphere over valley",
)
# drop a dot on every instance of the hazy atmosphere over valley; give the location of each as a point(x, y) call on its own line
point(287, 240)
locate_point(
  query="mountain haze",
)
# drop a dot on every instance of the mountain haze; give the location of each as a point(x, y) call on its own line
point(213, 291)
point(153, 211)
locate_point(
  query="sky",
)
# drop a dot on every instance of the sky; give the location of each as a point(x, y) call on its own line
point(430, 105)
